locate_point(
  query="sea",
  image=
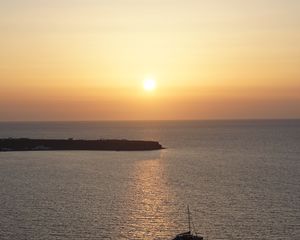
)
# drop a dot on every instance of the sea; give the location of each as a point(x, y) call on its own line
point(240, 179)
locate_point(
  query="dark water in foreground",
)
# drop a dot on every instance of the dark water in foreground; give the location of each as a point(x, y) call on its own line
point(240, 178)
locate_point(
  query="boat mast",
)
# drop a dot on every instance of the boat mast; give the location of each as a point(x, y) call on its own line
point(189, 218)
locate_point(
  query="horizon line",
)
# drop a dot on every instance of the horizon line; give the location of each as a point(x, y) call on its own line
point(157, 120)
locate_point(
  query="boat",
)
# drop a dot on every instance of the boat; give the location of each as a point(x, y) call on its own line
point(188, 235)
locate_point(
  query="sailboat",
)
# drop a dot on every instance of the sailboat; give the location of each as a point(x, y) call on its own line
point(188, 235)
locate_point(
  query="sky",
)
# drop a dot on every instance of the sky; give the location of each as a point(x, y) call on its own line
point(87, 59)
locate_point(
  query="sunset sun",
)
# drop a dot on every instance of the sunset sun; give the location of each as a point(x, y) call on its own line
point(149, 84)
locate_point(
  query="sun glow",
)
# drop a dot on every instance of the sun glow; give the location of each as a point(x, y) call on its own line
point(149, 84)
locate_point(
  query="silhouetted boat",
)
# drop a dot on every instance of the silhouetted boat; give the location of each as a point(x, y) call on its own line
point(188, 235)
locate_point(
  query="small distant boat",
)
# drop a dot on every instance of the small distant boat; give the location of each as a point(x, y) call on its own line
point(188, 235)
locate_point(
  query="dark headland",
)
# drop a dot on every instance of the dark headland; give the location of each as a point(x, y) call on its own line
point(26, 144)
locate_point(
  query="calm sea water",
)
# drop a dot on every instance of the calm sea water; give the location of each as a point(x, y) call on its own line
point(240, 178)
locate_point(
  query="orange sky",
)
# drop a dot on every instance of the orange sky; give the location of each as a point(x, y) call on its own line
point(87, 60)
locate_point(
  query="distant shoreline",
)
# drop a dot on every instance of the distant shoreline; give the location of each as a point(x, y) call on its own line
point(27, 144)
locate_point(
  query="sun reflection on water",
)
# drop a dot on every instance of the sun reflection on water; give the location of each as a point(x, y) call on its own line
point(149, 199)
